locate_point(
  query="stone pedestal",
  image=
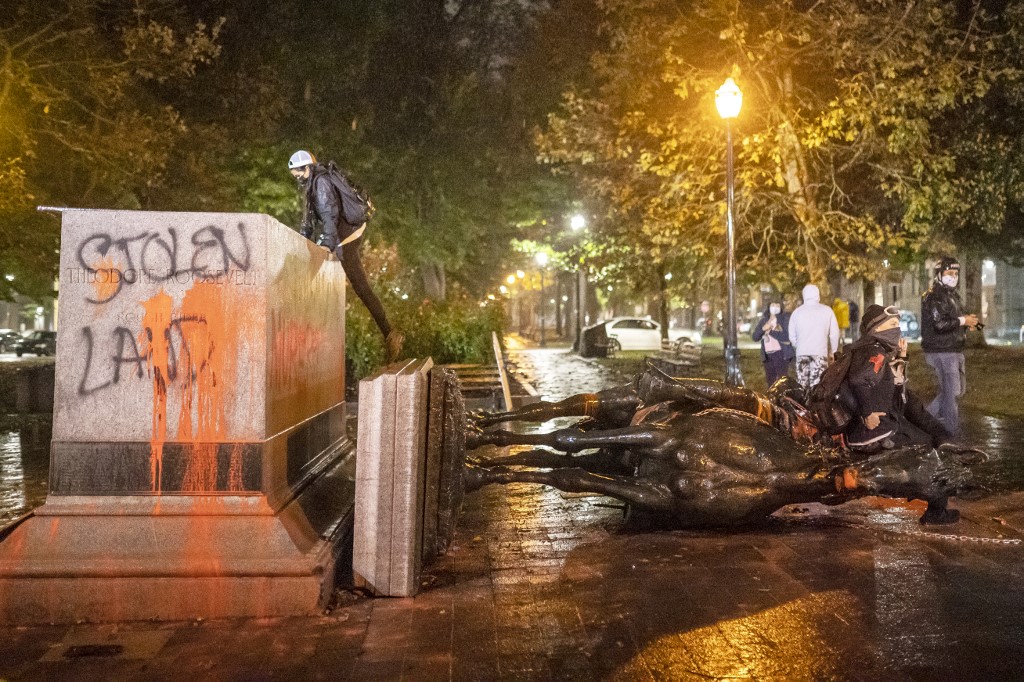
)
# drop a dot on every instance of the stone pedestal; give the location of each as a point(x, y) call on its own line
point(409, 485)
point(199, 464)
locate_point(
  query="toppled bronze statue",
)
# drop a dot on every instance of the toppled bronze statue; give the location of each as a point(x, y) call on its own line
point(710, 455)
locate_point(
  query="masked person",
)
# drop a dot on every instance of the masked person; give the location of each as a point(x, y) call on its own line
point(886, 414)
point(772, 330)
point(943, 337)
point(323, 203)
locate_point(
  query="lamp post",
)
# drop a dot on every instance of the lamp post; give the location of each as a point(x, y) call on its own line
point(542, 261)
point(577, 223)
point(728, 100)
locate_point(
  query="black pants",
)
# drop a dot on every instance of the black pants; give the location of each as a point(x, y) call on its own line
point(775, 366)
point(349, 256)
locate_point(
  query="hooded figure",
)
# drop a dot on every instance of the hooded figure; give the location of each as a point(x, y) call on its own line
point(772, 330)
point(814, 331)
point(886, 414)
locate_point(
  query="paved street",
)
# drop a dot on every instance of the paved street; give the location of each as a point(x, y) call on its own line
point(548, 585)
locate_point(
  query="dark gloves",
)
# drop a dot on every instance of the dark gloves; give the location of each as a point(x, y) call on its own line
point(328, 241)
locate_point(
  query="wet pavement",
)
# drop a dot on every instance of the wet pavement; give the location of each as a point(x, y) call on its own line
point(24, 463)
point(547, 585)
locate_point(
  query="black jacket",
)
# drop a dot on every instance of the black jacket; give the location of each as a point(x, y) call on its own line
point(941, 331)
point(873, 387)
point(781, 334)
point(323, 205)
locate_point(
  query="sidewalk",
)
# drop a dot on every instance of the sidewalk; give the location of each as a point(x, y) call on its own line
point(547, 585)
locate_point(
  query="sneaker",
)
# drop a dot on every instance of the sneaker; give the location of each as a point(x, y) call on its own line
point(393, 345)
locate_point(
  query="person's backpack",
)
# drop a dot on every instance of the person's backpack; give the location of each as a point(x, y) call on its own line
point(831, 408)
point(356, 206)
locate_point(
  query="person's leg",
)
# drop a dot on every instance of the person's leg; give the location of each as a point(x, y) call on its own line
point(774, 367)
point(955, 386)
point(361, 285)
point(803, 371)
point(949, 374)
point(935, 406)
point(817, 368)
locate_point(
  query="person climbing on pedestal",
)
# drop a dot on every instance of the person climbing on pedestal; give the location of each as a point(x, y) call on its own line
point(342, 211)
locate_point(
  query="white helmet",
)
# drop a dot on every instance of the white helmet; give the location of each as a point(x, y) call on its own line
point(301, 158)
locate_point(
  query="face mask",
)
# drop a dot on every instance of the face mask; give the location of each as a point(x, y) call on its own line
point(889, 338)
point(775, 309)
point(950, 281)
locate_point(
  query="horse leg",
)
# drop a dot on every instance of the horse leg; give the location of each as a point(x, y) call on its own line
point(612, 407)
point(572, 439)
point(602, 462)
point(655, 386)
point(573, 406)
point(639, 492)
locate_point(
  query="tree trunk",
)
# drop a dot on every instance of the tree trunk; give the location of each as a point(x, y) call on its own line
point(805, 207)
point(591, 306)
point(558, 304)
point(663, 304)
point(434, 283)
point(970, 275)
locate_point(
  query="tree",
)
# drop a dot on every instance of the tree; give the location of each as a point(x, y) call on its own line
point(81, 120)
point(834, 142)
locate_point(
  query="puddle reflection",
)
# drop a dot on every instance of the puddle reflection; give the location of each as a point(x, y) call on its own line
point(24, 462)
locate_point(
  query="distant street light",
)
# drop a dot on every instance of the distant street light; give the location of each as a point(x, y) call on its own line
point(542, 261)
point(511, 279)
point(728, 100)
point(577, 223)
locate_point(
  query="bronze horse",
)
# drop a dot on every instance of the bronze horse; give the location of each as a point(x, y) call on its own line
point(705, 466)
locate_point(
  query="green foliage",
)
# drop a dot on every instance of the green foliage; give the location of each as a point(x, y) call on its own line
point(457, 330)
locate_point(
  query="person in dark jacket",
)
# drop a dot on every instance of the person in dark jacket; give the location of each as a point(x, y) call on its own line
point(322, 204)
point(944, 328)
point(772, 330)
point(854, 320)
point(887, 414)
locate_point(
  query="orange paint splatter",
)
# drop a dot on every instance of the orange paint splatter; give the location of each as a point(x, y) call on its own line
point(211, 325)
point(155, 345)
point(107, 280)
point(196, 349)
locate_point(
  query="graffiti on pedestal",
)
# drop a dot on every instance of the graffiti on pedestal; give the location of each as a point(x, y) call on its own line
point(110, 263)
point(186, 335)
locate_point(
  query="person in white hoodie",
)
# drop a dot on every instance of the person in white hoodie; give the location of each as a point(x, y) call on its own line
point(814, 332)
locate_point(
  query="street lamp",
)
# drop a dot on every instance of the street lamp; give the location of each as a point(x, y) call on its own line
point(728, 100)
point(542, 261)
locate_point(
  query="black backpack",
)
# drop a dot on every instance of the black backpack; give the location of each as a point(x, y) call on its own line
point(356, 206)
point(830, 400)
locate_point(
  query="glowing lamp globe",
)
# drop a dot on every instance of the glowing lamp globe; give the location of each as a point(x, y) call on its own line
point(729, 99)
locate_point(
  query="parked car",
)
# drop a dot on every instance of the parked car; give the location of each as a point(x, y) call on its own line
point(37, 343)
point(638, 333)
point(910, 328)
point(8, 337)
